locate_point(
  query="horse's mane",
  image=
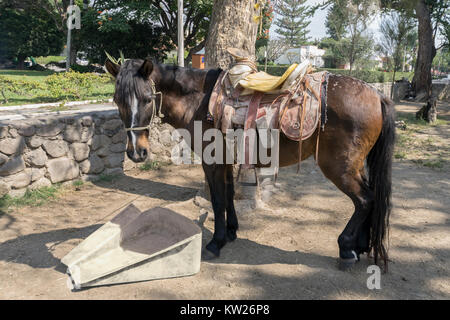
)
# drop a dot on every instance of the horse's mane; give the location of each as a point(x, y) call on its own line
point(129, 83)
point(170, 78)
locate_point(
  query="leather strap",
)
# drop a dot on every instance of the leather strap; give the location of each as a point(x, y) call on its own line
point(250, 122)
point(303, 106)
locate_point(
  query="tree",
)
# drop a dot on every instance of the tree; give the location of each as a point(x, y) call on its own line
point(275, 49)
point(56, 9)
point(347, 24)
point(196, 21)
point(357, 45)
point(262, 38)
point(431, 15)
point(293, 21)
point(442, 60)
point(337, 20)
point(111, 32)
point(25, 33)
point(232, 25)
point(355, 50)
point(395, 29)
point(161, 15)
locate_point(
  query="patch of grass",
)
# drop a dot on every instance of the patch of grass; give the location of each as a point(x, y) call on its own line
point(30, 75)
point(150, 165)
point(437, 164)
point(403, 138)
point(33, 198)
point(78, 183)
point(410, 119)
point(421, 143)
point(400, 155)
point(48, 59)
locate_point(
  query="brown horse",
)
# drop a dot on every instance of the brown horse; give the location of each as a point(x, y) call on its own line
point(355, 150)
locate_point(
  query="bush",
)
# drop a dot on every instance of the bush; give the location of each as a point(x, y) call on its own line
point(21, 87)
point(73, 84)
point(368, 76)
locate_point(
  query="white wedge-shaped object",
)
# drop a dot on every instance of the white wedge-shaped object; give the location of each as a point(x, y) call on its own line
point(155, 244)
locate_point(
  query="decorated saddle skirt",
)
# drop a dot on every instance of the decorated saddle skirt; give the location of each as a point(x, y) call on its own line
point(296, 110)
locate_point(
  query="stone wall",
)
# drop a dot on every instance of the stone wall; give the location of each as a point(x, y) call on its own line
point(440, 90)
point(383, 87)
point(40, 152)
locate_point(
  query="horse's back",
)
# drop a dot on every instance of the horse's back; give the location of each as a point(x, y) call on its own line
point(354, 121)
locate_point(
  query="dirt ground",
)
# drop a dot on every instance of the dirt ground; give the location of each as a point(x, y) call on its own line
point(285, 250)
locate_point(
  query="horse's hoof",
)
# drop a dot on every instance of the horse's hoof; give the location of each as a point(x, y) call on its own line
point(231, 235)
point(208, 255)
point(346, 264)
point(210, 252)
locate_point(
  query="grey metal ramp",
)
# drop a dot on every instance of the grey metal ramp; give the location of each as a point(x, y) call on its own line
point(134, 246)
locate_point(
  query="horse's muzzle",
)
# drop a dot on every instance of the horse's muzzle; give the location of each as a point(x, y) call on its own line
point(138, 155)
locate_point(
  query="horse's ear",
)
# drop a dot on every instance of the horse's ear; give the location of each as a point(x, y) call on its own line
point(112, 67)
point(146, 69)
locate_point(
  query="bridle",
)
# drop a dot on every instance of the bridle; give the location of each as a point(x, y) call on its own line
point(153, 98)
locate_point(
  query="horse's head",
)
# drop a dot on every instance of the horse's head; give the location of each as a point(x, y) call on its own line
point(136, 98)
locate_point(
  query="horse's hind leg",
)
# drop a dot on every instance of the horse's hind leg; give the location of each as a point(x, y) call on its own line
point(232, 220)
point(354, 240)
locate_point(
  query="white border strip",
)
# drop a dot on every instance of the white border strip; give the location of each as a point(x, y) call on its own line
point(54, 104)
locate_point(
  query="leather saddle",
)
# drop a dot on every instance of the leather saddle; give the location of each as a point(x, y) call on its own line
point(245, 98)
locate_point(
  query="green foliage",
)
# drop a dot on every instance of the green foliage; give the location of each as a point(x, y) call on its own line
point(337, 19)
point(78, 183)
point(70, 85)
point(32, 198)
point(48, 59)
point(114, 31)
point(442, 60)
point(292, 21)
point(397, 33)
point(347, 25)
point(267, 16)
point(141, 28)
point(356, 51)
point(25, 33)
point(150, 165)
point(364, 75)
point(21, 87)
point(30, 75)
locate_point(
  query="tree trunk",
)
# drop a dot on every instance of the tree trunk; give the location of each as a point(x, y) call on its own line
point(21, 63)
point(393, 83)
point(231, 26)
point(73, 54)
point(426, 52)
point(429, 111)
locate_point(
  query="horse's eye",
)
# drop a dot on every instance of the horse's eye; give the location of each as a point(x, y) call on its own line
point(148, 99)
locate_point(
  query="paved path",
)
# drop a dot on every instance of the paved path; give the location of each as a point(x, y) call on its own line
point(32, 111)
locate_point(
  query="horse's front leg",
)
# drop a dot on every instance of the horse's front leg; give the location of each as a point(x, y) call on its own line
point(216, 177)
point(232, 220)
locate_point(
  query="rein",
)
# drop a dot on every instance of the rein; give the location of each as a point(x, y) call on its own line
point(154, 95)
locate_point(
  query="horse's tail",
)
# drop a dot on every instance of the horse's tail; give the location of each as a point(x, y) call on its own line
point(379, 163)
